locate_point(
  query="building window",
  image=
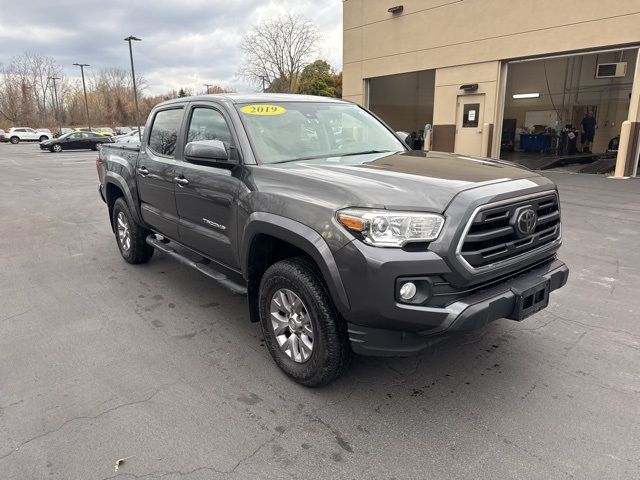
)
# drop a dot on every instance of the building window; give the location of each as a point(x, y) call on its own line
point(470, 115)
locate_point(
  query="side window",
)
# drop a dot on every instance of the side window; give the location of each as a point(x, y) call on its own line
point(164, 131)
point(208, 124)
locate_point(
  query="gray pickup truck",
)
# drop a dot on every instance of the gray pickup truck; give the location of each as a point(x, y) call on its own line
point(342, 239)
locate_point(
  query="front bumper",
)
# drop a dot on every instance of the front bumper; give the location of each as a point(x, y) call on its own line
point(428, 325)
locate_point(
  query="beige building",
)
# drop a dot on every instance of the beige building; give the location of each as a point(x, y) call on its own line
point(492, 76)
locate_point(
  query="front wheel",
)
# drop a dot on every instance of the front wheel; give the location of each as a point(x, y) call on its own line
point(130, 237)
point(304, 333)
point(97, 146)
point(57, 148)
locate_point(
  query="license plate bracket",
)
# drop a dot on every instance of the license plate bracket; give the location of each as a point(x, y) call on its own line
point(530, 300)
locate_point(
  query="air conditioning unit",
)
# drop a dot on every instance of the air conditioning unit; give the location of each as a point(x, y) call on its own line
point(611, 70)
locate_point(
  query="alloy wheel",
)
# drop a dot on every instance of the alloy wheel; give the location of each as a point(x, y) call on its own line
point(291, 325)
point(124, 235)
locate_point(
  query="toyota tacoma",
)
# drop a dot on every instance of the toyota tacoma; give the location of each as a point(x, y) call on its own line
point(342, 239)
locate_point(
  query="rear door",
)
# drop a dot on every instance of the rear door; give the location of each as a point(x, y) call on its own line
point(206, 194)
point(155, 171)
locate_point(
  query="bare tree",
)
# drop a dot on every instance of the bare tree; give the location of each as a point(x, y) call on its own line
point(277, 50)
point(219, 89)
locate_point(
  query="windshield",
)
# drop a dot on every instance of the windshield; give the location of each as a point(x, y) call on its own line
point(288, 131)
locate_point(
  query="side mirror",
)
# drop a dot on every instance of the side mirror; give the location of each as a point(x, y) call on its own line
point(206, 151)
point(402, 136)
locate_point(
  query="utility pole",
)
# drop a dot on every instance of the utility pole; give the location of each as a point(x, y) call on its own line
point(207, 85)
point(84, 87)
point(129, 39)
point(56, 105)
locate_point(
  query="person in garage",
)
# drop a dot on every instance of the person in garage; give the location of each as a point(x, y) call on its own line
point(588, 132)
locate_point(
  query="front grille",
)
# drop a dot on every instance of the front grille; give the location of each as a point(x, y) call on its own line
point(493, 235)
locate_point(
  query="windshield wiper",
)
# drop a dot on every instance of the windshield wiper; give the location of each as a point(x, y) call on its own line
point(366, 152)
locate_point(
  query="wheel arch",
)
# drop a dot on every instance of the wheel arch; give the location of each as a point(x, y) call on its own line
point(278, 233)
point(116, 187)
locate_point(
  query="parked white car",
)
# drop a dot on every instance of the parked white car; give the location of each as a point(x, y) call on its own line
point(25, 134)
point(130, 137)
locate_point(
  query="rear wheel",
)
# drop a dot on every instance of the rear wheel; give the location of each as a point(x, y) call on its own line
point(14, 140)
point(130, 237)
point(304, 333)
point(43, 138)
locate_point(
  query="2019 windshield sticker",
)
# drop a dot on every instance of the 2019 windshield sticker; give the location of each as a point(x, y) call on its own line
point(263, 109)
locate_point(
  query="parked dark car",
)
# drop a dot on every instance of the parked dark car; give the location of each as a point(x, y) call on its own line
point(343, 240)
point(75, 141)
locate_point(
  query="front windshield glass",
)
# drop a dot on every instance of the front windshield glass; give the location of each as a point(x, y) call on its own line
point(288, 131)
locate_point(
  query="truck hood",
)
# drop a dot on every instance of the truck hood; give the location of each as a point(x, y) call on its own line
point(409, 180)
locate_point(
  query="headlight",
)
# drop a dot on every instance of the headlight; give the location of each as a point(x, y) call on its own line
point(382, 228)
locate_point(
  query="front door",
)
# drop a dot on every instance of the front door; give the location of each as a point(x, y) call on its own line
point(206, 194)
point(155, 173)
point(74, 141)
point(31, 134)
point(469, 120)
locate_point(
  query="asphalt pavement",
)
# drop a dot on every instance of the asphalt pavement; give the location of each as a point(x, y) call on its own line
point(157, 364)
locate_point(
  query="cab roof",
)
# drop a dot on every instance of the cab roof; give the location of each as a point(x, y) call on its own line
point(234, 98)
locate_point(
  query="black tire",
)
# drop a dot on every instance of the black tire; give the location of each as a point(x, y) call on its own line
point(14, 140)
point(138, 250)
point(331, 349)
point(43, 138)
point(55, 148)
point(96, 146)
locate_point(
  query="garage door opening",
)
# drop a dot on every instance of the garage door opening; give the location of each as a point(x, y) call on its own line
point(567, 110)
point(404, 101)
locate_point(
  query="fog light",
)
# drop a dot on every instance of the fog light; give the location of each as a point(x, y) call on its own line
point(408, 291)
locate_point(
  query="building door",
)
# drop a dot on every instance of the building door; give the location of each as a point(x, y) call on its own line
point(469, 120)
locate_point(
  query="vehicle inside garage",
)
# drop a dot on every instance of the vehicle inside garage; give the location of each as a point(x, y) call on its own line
point(404, 101)
point(567, 110)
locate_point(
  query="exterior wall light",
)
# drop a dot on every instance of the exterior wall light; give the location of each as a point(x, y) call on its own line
point(396, 9)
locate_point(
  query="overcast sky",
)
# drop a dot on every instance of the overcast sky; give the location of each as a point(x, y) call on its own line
point(185, 42)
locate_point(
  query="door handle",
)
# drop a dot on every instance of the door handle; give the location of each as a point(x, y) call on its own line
point(143, 171)
point(181, 181)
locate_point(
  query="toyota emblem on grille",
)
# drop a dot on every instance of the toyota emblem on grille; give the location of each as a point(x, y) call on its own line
point(526, 221)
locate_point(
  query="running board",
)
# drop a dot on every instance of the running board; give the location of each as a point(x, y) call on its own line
point(204, 265)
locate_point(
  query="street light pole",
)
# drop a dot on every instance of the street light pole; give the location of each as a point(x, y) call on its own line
point(84, 87)
point(207, 85)
point(56, 106)
point(129, 39)
point(264, 79)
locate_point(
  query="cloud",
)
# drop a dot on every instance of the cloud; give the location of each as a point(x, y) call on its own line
point(185, 44)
